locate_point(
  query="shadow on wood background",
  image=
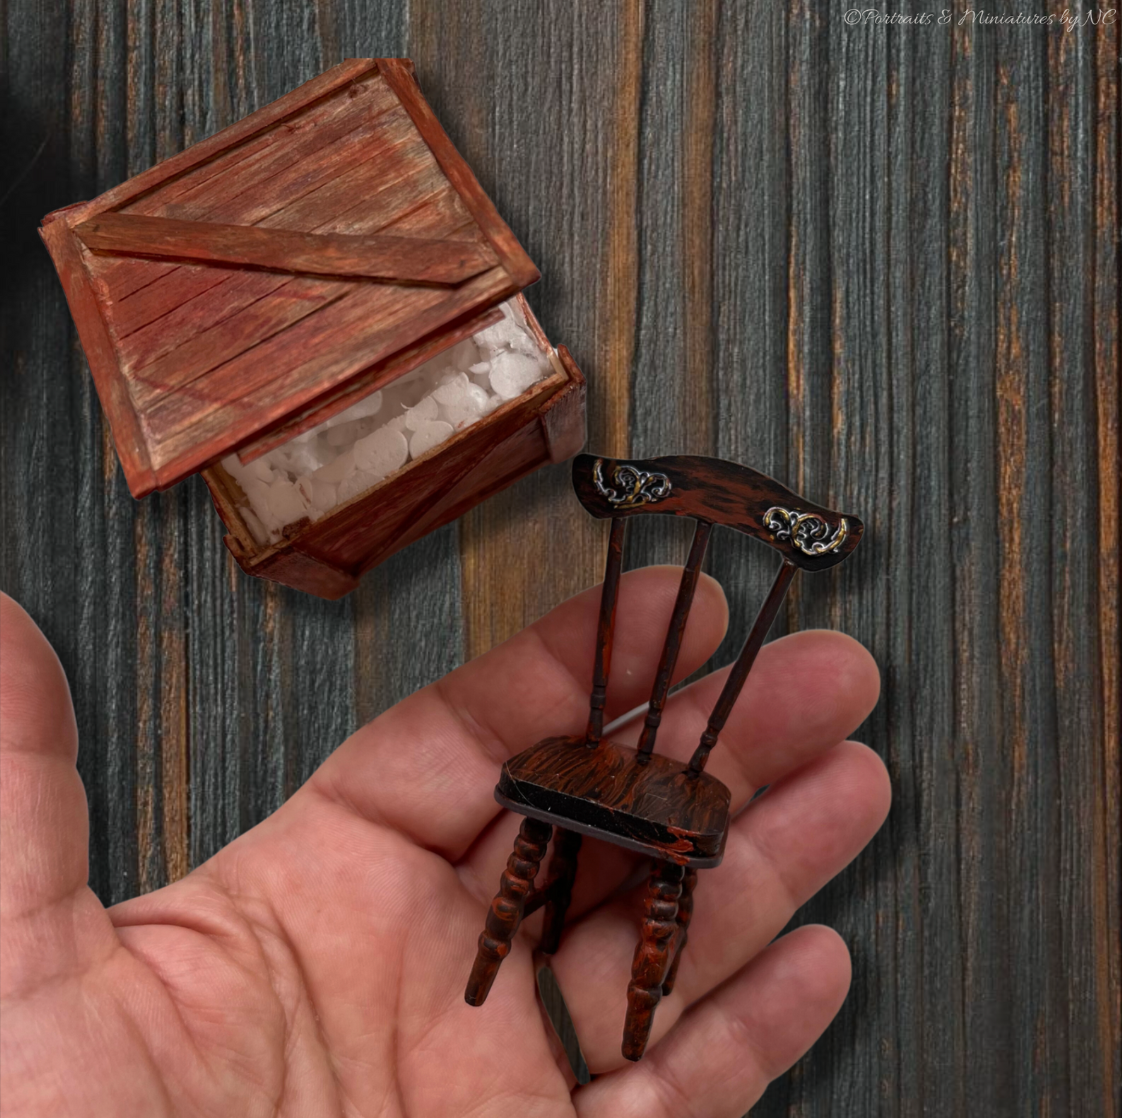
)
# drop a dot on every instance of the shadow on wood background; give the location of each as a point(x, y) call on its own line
point(879, 263)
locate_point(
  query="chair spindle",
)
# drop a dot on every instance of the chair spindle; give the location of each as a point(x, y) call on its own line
point(690, 574)
point(609, 596)
point(743, 665)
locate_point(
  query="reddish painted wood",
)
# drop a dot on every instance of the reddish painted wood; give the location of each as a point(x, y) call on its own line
point(651, 805)
point(428, 492)
point(723, 492)
point(649, 967)
point(128, 434)
point(284, 162)
point(562, 417)
point(391, 174)
point(389, 168)
point(389, 258)
point(269, 116)
point(167, 314)
point(261, 388)
point(691, 572)
point(215, 350)
point(300, 569)
point(685, 915)
point(388, 186)
point(253, 181)
point(398, 72)
point(182, 373)
point(177, 324)
point(505, 913)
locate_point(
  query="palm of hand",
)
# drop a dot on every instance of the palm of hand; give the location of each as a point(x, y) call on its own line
point(317, 964)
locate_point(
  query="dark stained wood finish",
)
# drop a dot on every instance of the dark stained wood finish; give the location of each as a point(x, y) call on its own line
point(562, 873)
point(505, 913)
point(660, 929)
point(636, 798)
point(691, 572)
point(685, 914)
point(737, 677)
point(723, 492)
point(650, 805)
point(605, 631)
point(767, 236)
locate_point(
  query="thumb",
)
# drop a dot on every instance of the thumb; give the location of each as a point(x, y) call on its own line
point(51, 920)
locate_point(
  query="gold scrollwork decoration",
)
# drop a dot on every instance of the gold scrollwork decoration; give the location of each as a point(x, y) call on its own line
point(807, 531)
point(636, 487)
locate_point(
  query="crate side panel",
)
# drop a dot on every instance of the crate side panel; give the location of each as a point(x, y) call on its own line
point(366, 527)
point(519, 454)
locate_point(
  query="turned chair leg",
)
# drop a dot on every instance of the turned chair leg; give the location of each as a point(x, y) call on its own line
point(559, 891)
point(505, 913)
point(685, 913)
point(651, 956)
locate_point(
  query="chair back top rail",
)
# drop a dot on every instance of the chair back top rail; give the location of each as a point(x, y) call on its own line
point(806, 534)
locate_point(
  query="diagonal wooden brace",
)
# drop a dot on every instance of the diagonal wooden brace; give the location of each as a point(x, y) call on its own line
point(415, 260)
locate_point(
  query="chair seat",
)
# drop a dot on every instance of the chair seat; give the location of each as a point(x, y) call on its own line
point(654, 808)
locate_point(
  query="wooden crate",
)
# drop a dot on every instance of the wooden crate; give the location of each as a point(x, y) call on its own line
point(268, 277)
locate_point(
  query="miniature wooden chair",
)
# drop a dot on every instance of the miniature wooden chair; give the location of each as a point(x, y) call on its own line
point(635, 797)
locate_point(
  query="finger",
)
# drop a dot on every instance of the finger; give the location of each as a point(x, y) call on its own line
point(806, 693)
point(428, 766)
point(780, 852)
point(718, 1059)
point(43, 818)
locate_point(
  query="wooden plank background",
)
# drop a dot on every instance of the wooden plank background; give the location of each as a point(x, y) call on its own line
point(879, 262)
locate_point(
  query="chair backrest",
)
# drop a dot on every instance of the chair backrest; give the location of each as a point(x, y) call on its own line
point(712, 491)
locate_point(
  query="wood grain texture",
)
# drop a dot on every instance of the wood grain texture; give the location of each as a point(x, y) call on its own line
point(660, 930)
point(899, 245)
point(403, 259)
point(646, 802)
point(330, 170)
point(720, 492)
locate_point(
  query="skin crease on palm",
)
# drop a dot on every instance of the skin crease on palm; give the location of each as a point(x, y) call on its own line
point(316, 965)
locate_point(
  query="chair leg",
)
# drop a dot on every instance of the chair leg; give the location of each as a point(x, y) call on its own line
point(651, 956)
point(685, 914)
point(505, 913)
point(563, 869)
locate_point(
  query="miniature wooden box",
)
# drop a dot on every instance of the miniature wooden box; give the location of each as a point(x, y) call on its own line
point(245, 292)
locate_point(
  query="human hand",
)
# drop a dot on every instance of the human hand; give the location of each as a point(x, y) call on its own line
point(317, 964)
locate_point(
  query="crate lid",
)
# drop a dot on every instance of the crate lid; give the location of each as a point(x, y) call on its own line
point(258, 281)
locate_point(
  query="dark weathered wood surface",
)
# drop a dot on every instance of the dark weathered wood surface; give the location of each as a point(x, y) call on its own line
point(878, 263)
